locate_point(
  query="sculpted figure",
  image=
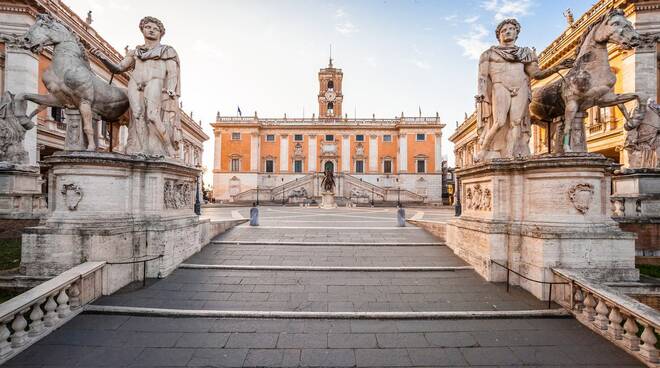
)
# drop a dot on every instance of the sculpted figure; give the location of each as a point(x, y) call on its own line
point(643, 136)
point(328, 182)
point(153, 92)
point(504, 94)
point(13, 125)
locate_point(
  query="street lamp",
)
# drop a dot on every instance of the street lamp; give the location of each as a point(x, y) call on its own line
point(398, 196)
point(198, 204)
point(257, 194)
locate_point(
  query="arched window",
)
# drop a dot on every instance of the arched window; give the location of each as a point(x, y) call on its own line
point(331, 84)
point(331, 109)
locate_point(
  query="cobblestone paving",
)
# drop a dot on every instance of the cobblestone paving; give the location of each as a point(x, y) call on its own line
point(91, 340)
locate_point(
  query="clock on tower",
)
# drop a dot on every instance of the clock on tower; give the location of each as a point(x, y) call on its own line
point(330, 96)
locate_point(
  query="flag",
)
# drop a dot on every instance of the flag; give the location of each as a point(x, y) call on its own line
point(239, 110)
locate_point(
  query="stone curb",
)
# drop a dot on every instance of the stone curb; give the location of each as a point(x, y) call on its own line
point(347, 244)
point(324, 268)
point(192, 313)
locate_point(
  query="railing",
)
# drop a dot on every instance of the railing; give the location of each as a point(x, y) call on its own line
point(32, 315)
point(549, 283)
point(624, 321)
point(316, 121)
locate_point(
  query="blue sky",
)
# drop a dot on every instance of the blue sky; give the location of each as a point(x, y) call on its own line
point(397, 56)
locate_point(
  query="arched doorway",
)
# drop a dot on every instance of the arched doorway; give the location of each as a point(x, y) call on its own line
point(329, 165)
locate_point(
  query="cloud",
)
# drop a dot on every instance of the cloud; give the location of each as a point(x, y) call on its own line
point(422, 64)
point(344, 24)
point(507, 8)
point(474, 43)
point(450, 17)
point(471, 19)
point(207, 48)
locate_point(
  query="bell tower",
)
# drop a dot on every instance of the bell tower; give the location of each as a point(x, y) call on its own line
point(330, 95)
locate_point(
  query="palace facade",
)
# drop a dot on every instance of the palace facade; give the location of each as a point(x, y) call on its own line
point(375, 160)
point(636, 71)
point(20, 71)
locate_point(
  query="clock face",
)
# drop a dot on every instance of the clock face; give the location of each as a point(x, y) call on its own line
point(330, 95)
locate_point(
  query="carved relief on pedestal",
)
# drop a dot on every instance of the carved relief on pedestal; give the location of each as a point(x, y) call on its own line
point(478, 198)
point(178, 194)
point(581, 195)
point(618, 207)
point(73, 194)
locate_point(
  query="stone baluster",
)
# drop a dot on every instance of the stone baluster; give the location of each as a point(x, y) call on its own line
point(36, 319)
point(615, 329)
point(19, 337)
point(5, 346)
point(601, 321)
point(630, 337)
point(589, 304)
point(578, 299)
point(647, 349)
point(74, 295)
point(63, 308)
point(51, 316)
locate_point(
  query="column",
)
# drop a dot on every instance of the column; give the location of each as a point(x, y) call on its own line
point(254, 152)
point(403, 152)
point(217, 153)
point(346, 153)
point(373, 153)
point(22, 76)
point(437, 152)
point(284, 153)
point(311, 153)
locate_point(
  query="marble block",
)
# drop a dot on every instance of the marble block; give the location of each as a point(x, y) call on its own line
point(328, 200)
point(20, 192)
point(540, 213)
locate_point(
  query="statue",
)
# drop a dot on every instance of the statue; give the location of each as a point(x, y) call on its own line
point(70, 80)
point(153, 92)
point(13, 125)
point(328, 182)
point(503, 121)
point(589, 83)
point(643, 136)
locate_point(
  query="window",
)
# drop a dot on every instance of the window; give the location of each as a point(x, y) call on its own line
point(387, 138)
point(331, 85)
point(329, 138)
point(298, 137)
point(270, 137)
point(359, 166)
point(359, 138)
point(235, 165)
point(270, 165)
point(56, 114)
point(421, 137)
point(235, 136)
point(421, 166)
point(331, 109)
point(387, 166)
point(297, 166)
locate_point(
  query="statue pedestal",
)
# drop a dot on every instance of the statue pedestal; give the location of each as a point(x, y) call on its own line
point(21, 201)
point(115, 208)
point(328, 200)
point(540, 213)
point(636, 207)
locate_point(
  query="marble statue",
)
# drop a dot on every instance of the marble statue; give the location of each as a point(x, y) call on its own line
point(505, 70)
point(589, 83)
point(13, 125)
point(153, 92)
point(70, 80)
point(643, 136)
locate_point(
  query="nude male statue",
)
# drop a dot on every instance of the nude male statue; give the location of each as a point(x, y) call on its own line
point(504, 94)
point(153, 92)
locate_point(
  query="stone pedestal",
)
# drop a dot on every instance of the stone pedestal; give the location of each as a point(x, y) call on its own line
point(636, 207)
point(115, 208)
point(328, 200)
point(20, 192)
point(540, 213)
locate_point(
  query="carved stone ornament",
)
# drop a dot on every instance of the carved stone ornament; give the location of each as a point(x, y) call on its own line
point(178, 194)
point(359, 150)
point(618, 207)
point(581, 195)
point(73, 194)
point(478, 198)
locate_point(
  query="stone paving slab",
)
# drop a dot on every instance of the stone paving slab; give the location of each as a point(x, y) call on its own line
point(123, 341)
point(324, 291)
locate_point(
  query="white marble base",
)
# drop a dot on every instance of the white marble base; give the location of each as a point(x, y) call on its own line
point(328, 200)
point(540, 213)
point(20, 192)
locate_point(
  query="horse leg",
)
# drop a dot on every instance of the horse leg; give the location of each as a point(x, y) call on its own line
point(86, 117)
point(42, 101)
point(569, 115)
point(618, 100)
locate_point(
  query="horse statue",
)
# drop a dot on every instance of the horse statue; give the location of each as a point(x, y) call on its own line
point(589, 83)
point(70, 80)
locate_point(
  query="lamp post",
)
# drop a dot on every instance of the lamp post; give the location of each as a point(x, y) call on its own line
point(257, 194)
point(372, 196)
point(198, 204)
point(398, 196)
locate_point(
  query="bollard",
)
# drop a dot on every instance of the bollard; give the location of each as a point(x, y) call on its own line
point(254, 216)
point(401, 217)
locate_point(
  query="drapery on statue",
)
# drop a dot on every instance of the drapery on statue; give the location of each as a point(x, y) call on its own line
point(153, 92)
point(505, 70)
point(643, 136)
point(13, 125)
point(70, 80)
point(328, 182)
point(589, 83)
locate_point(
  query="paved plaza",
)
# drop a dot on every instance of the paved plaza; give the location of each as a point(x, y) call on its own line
point(239, 272)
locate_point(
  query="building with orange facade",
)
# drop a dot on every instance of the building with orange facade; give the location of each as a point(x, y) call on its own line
point(375, 160)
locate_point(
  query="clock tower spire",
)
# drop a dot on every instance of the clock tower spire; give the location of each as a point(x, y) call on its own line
point(330, 95)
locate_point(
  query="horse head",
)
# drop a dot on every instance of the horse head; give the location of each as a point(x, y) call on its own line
point(46, 31)
point(615, 28)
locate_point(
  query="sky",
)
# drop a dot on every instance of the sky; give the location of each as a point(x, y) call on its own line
point(262, 55)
